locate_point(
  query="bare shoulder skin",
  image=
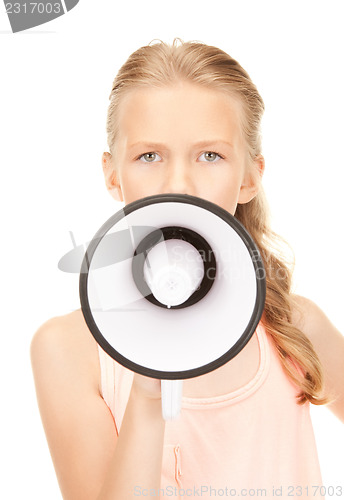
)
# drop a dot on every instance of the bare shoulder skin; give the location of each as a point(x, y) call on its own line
point(328, 343)
point(79, 427)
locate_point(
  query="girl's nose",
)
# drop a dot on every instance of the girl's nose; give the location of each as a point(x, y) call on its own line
point(178, 179)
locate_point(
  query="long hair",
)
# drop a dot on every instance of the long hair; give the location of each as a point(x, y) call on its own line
point(160, 64)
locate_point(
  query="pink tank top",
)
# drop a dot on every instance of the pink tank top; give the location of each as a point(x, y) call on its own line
point(254, 441)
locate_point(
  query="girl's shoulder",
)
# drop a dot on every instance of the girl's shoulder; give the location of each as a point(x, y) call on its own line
point(65, 342)
point(304, 311)
point(328, 343)
point(310, 318)
point(79, 427)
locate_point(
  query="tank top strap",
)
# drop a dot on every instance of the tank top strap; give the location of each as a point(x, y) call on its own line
point(116, 381)
point(107, 379)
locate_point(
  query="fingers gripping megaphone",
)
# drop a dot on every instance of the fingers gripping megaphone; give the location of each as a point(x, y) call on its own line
point(172, 287)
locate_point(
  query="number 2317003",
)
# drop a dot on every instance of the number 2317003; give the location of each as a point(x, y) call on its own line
point(33, 7)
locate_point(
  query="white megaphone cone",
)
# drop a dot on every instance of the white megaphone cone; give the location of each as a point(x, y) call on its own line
point(172, 287)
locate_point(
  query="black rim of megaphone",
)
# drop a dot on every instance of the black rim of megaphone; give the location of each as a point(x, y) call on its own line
point(256, 260)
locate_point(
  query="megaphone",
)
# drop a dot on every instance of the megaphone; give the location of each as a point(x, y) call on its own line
point(172, 286)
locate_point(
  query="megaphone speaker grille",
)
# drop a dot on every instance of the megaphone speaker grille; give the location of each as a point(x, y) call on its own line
point(175, 233)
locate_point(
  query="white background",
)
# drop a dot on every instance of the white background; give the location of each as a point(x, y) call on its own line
point(55, 82)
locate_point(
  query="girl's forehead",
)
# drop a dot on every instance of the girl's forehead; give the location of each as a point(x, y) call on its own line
point(188, 109)
point(182, 92)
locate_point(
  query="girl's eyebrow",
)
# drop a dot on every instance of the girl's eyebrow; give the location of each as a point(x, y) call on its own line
point(159, 145)
point(215, 142)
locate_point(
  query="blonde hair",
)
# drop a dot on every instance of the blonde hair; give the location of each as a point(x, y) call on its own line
point(160, 64)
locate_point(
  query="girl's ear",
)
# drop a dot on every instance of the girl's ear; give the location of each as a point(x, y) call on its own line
point(111, 177)
point(252, 180)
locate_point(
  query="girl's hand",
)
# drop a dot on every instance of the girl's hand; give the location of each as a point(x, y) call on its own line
point(146, 387)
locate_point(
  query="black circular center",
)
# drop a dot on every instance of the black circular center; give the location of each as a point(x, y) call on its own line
point(177, 233)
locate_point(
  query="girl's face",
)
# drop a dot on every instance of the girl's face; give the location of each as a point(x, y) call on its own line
point(181, 139)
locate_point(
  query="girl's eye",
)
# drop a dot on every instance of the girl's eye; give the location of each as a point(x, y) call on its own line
point(150, 157)
point(210, 156)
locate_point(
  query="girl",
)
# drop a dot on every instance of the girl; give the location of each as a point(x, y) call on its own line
point(184, 118)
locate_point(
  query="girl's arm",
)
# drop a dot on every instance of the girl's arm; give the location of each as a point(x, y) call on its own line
point(90, 461)
point(136, 463)
point(328, 343)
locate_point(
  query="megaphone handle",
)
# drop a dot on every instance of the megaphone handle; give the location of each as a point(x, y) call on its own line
point(171, 398)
